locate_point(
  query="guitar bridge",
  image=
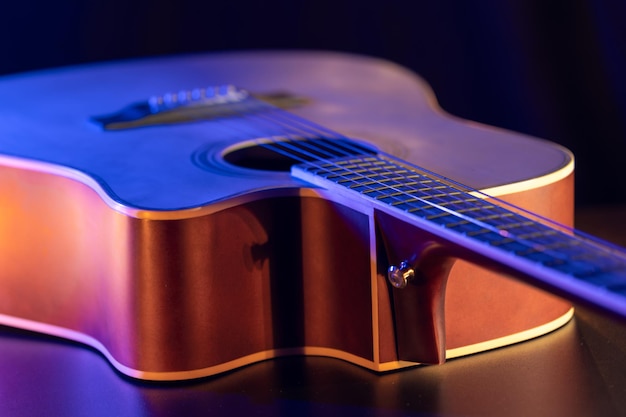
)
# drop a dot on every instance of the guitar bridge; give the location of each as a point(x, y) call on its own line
point(195, 105)
point(181, 107)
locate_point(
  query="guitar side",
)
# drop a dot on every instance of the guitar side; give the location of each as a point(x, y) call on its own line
point(274, 268)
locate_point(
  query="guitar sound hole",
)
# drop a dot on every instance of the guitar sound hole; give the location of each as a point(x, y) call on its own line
point(260, 158)
point(282, 155)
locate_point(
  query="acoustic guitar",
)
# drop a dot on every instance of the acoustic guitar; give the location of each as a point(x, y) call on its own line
point(189, 233)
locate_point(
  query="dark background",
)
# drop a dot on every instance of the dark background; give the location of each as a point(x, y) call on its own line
point(553, 69)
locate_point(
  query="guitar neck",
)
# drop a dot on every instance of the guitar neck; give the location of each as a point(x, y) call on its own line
point(471, 227)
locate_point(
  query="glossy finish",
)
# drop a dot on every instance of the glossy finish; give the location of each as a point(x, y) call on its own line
point(174, 264)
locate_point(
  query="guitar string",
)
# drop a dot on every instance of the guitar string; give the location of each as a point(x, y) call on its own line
point(309, 129)
point(554, 246)
point(459, 186)
point(291, 125)
point(312, 129)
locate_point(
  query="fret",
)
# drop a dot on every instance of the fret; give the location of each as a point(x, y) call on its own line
point(464, 226)
point(491, 216)
point(521, 227)
point(478, 205)
point(548, 239)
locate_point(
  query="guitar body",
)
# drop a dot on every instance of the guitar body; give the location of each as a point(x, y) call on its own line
point(150, 245)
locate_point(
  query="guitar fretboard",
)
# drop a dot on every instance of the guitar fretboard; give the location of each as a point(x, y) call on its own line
point(388, 183)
